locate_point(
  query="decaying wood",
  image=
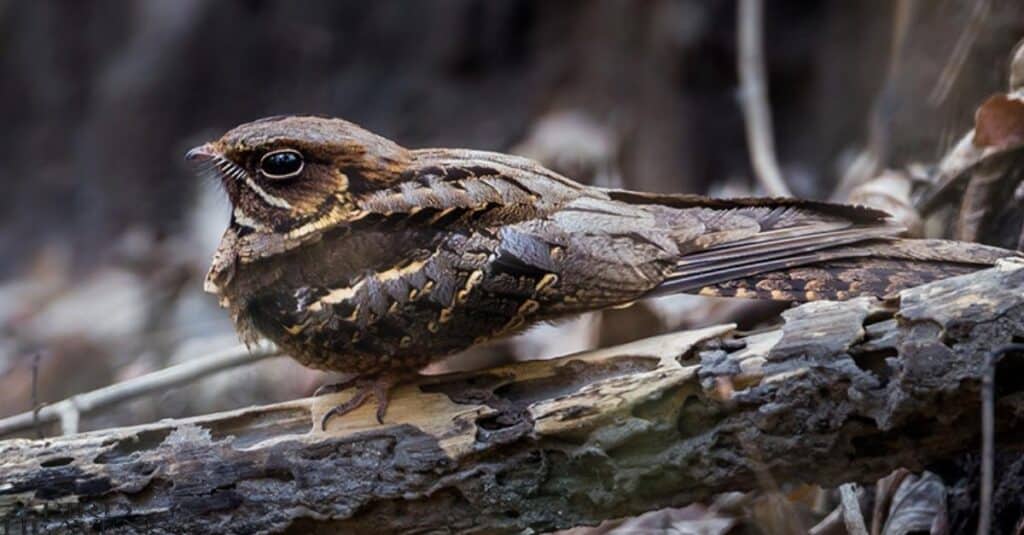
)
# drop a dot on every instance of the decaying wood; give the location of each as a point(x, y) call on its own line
point(841, 392)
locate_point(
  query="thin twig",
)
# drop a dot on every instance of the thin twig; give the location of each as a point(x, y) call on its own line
point(885, 493)
point(833, 523)
point(69, 410)
point(853, 518)
point(875, 155)
point(988, 434)
point(35, 396)
point(754, 98)
point(951, 71)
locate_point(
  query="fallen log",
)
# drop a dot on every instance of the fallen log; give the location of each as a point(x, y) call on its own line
point(840, 392)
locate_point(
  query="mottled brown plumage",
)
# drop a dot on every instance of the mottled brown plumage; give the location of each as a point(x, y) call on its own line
point(355, 254)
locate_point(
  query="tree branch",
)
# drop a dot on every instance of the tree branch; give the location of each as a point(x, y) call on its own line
point(841, 392)
point(753, 95)
point(69, 410)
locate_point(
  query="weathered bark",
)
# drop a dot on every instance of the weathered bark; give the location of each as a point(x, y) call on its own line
point(842, 392)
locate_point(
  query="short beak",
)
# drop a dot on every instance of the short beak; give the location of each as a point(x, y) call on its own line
point(202, 153)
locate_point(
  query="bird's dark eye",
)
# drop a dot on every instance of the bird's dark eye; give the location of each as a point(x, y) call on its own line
point(281, 163)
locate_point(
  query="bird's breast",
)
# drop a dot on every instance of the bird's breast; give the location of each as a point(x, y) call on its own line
point(366, 304)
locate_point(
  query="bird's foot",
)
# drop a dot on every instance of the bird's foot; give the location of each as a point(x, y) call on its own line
point(333, 388)
point(378, 387)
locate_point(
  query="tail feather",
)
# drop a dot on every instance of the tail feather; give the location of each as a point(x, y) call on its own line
point(797, 250)
point(876, 268)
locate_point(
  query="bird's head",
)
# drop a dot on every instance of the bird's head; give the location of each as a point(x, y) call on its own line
point(281, 173)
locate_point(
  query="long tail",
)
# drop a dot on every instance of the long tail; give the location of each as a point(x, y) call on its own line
point(794, 250)
point(880, 268)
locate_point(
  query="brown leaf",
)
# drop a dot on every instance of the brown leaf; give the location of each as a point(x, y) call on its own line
point(999, 123)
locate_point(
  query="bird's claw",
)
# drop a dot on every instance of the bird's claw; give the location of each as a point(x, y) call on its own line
point(334, 388)
point(379, 388)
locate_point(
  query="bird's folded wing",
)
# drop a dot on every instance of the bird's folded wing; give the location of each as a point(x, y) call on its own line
point(798, 250)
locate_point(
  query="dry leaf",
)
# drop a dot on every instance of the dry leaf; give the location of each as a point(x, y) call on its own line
point(916, 504)
point(999, 123)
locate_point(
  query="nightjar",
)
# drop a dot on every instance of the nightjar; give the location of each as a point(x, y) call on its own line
point(355, 254)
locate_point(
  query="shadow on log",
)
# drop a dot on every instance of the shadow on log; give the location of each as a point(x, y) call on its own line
point(841, 392)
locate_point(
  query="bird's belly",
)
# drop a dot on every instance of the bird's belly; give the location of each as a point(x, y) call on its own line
point(399, 337)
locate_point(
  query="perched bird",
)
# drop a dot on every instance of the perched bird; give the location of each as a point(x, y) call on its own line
point(357, 255)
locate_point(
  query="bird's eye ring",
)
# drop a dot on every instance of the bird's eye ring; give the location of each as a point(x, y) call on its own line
point(284, 163)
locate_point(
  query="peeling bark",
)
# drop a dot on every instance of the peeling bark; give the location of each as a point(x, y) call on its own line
point(841, 392)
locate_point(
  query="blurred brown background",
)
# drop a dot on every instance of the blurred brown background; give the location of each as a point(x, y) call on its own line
point(107, 233)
